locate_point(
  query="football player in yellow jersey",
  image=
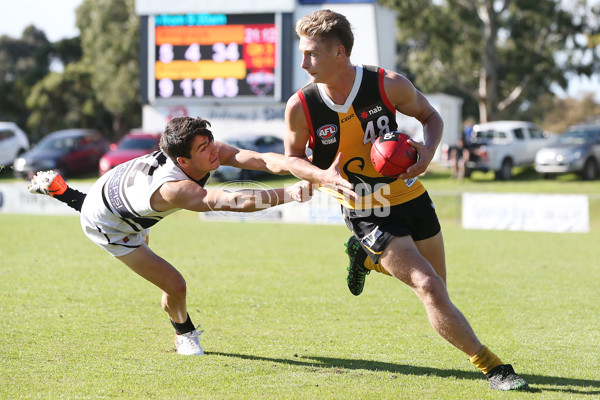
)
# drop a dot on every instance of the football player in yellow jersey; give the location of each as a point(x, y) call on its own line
point(339, 114)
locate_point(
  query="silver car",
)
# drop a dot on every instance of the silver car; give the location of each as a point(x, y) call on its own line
point(13, 142)
point(577, 151)
point(261, 143)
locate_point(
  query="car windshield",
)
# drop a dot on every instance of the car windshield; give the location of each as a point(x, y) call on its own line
point(490, 134)
point(137, 143)
point(63, 143)
point(579, 137)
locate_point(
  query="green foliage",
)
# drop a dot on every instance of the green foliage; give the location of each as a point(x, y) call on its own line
point(502, 54)
point(110, 40)
point(23, 62)
point(556, 115)
point(25, 58)
point(64, 100)
point(95, 84)
point(279, 321)
point(67, 50)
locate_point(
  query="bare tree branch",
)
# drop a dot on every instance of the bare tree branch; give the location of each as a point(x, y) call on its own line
point(514, 94)
point(454, 79)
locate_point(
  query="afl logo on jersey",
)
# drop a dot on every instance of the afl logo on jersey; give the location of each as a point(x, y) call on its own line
point(327, 133)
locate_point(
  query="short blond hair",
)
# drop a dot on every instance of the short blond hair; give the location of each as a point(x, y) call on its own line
point(328, 25)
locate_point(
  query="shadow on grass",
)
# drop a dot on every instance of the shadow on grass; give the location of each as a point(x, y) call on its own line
point(523, 174)
point(555, 383)
point(520, 174)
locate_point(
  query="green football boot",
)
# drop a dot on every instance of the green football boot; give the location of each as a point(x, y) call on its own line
point(503, 377)
point(357, 272)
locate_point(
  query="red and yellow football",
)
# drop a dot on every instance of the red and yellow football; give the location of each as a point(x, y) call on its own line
point(391, 154)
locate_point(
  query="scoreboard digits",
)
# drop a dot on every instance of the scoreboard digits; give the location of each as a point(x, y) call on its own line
point(216, 56)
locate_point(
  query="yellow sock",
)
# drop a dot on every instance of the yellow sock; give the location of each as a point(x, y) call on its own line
point(485, 360)
point(369, 264)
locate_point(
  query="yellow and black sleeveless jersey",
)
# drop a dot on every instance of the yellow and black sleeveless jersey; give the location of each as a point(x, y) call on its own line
point(351, 129)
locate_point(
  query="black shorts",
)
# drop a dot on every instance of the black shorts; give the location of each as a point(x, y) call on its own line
point(375, 230)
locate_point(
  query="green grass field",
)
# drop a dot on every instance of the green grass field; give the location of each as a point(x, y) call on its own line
point(279, 321)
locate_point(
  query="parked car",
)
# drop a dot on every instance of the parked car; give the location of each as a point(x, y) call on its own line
point(501, 145)
point(258, 142)
point(132, 145)
point(577, 150)
point(69, 151)
point(13, 142)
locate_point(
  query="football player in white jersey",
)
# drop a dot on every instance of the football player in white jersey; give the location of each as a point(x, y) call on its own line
point(124, 203)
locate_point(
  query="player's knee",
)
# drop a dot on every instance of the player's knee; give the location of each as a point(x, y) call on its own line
point(178, 288)
point(430, 288)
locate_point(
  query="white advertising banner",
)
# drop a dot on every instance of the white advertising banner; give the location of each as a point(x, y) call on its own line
point(526, 212)
point(321, 209)
point(15, 199)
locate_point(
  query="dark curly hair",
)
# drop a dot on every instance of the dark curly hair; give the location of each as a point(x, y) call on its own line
point(176, 140)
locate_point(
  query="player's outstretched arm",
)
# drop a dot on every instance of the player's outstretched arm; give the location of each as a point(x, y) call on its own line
point(190, 196)
point(248, 159)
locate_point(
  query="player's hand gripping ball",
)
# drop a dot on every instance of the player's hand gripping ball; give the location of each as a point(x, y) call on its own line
point(391, 154)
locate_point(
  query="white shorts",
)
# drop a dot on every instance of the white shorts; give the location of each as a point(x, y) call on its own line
point(106, 229)
point(116, 243)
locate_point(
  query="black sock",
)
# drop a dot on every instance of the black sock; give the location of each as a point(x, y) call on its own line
point(186, 327)
point(72, 197)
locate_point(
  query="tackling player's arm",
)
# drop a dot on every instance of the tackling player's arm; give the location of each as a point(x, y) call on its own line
point(295, 152)
point(189, 195)
point(409, 101)
point(248, 159)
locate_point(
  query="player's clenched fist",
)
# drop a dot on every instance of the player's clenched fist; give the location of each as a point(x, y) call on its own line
point(300, 191)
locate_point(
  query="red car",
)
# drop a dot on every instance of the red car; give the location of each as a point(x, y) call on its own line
point(132, 145)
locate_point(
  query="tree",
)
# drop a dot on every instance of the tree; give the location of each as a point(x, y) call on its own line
point(93, 73)
point(23, 62)
point(558, 114)
point(504, 54)
point(65, 99)
point(67, 50)
point(110, 41)
point(24, 58)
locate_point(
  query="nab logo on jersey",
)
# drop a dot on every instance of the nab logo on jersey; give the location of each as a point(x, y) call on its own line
point(371, 112)
point(327, 133)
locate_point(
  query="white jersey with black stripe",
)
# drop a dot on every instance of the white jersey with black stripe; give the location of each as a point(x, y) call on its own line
point(117, 207)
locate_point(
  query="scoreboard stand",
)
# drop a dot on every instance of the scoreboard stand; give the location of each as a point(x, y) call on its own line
point(236, 63)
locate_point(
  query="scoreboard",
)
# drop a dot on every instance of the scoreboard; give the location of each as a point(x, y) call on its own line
point(214, 57)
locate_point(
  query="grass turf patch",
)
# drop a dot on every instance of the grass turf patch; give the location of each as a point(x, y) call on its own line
point(279, 321)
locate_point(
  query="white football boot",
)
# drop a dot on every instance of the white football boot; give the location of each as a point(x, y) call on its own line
point(188, 344)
